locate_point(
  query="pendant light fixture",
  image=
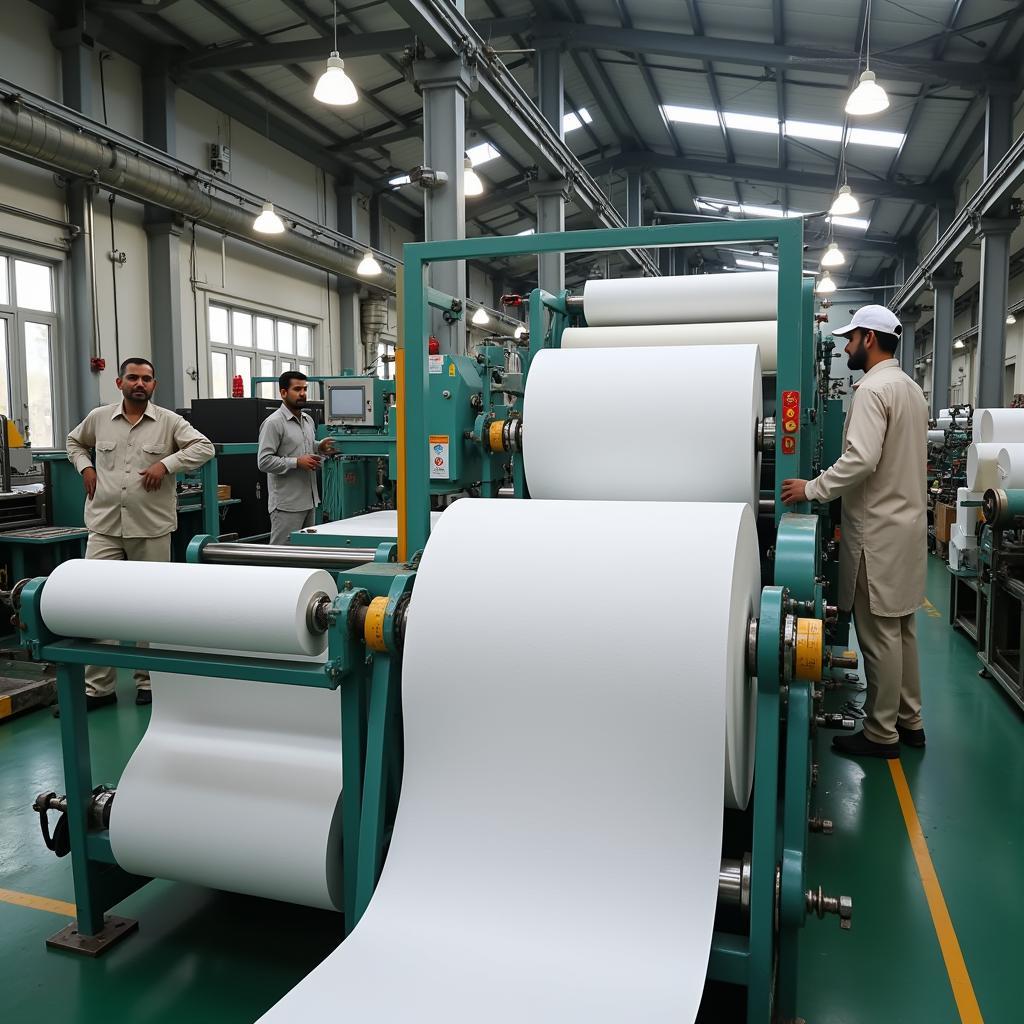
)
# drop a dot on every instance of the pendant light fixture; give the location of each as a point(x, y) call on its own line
point(833, 256)
point(268, 222)
point(368, 267)
point(825, 285)
point(334, 87)
point(869, 97)
point(471, 183)
point(480, 317)
point(845, 203)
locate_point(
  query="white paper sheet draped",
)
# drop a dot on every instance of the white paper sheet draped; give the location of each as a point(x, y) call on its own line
point(244, 607)
point(381, 524)
point(644, 424)
point(556, 850)
point(696, 299)
point(762, 333)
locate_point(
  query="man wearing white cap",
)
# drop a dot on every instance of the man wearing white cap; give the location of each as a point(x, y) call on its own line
point(881, 477)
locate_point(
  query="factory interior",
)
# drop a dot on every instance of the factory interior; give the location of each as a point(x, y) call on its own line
point(494, 495)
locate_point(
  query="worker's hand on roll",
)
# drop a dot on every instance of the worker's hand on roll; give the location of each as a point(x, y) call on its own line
point(327, 446)
point(794, 491)
point(310, 462)
point(89, 479)
point(153, 477)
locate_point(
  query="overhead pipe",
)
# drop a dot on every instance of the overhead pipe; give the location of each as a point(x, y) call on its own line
point(43, 138)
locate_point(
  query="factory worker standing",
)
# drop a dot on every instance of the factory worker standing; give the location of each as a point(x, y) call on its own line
point(290, 456)
point(881, 477)
point(130, 508)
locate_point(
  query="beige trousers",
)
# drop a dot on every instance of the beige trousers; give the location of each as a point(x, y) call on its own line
point(889, 645)
point(101, 680)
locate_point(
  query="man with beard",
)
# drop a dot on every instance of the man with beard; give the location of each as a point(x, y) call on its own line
point(130, 509)
point(881, 477)
point(289, 455)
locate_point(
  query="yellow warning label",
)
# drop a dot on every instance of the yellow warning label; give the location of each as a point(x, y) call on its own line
point(451, 369)
point(809, 649)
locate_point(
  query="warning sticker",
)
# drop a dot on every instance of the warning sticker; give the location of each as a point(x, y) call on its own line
point(438, 456)
point(435, 364)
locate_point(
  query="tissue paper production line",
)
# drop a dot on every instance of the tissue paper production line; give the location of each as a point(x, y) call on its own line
point(502, 422)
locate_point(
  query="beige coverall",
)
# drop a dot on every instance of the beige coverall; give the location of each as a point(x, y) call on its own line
point(882, 479)
point(126, 521)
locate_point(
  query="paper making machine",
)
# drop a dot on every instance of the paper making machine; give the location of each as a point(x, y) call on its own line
point(793, 641)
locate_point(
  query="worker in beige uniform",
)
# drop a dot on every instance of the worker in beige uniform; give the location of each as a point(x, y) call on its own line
point(881, 477)
point(130, 509)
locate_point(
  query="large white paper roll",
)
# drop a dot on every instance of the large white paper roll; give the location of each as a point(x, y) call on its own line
point(643, 424)
point(249, 608)
point(943, 423)
point(236, 785)
point(576, 766)
point(982, 468)
point(1010, 466)
point(762, 333)
point(695, 299)
point(1002, 425)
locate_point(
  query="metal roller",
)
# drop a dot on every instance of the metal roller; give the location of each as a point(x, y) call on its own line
point(286, 556)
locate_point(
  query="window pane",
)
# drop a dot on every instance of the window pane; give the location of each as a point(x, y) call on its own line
point(303, 341)
point(37, 372)
point(267, 370)
point(243, 369)
point(32, 285)
point(219, 377)
point(241, 329)
point(5, 394)
point(5, 295)
point(305, 368)
point(285, 341)
point(265, 333)
point(285, 365)
point(219, 325)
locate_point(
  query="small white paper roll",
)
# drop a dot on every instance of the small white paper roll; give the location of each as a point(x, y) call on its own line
point(982, 471)
point(936, 436)
point(1010, 466)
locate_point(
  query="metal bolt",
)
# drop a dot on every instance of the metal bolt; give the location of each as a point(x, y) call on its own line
point(818, 824)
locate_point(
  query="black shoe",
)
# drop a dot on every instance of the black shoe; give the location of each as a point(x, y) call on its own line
point(92, 702)
point(911, 737)
point(858, 745)
point(143, 697)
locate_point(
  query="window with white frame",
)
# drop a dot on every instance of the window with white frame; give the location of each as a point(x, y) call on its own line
point(245, 343)
point(28, 337)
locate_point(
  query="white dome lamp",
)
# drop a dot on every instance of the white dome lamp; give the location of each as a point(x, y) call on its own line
point(869, 97)
point(833, 256)
point(825, 285)
point(480, 317)
point(471, 183)
point(845, 203)
point(268, 222)
point(368, 266)
point(334, 87)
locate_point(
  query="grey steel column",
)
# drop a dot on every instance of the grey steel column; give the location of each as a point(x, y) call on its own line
point(908, 321)
point(943, 290)
point(634, 197)
point(551, 194)
point(352, 356)
point(445, 86)
point(82, 382)
point(163, 245)
point(995, 234)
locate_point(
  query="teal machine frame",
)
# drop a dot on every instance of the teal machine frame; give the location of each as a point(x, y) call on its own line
point(365, 626)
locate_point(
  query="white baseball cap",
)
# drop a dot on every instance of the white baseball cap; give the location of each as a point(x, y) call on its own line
point(872, 318)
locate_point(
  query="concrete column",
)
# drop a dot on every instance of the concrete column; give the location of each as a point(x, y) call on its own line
point(995, 260)
point(905, 352)
point(163, 243)
point(80, 341)
point(943, 289)
point(445, 86)
point(551, 195)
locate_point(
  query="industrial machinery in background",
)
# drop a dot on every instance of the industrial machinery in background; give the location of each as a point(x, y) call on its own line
point(949, 438)
point(456, 426)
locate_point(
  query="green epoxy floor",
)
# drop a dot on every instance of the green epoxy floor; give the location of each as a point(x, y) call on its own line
point(210, 957)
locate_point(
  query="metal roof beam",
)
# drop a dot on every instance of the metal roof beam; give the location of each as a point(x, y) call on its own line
point(789, 176)
point(226, 58)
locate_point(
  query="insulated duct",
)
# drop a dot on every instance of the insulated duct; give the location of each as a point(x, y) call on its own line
point(44, 138)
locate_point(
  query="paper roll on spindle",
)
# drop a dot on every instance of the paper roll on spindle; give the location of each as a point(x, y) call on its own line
point(1010, 466)
point(936, 436)
point(943, 423)
point(250, 608)
point(762, 333)
point(694, 299)
point(580, 764)
point(982, 470)
point(643, 424)
point(999, 425)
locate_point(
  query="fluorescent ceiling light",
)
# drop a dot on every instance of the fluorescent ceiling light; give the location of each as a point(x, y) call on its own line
point(482, 153)
point(575, 119)
point(691, 115)
point(402, 179)
point(857, 223)
point(815, 130)
point(755, 264)
point(873, 137)
point(752, 123)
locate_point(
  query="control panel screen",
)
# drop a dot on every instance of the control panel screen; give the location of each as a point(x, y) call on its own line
point(346, 402)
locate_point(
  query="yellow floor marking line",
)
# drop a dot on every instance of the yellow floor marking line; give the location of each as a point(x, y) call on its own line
point(25, 899)
point(956, 968)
